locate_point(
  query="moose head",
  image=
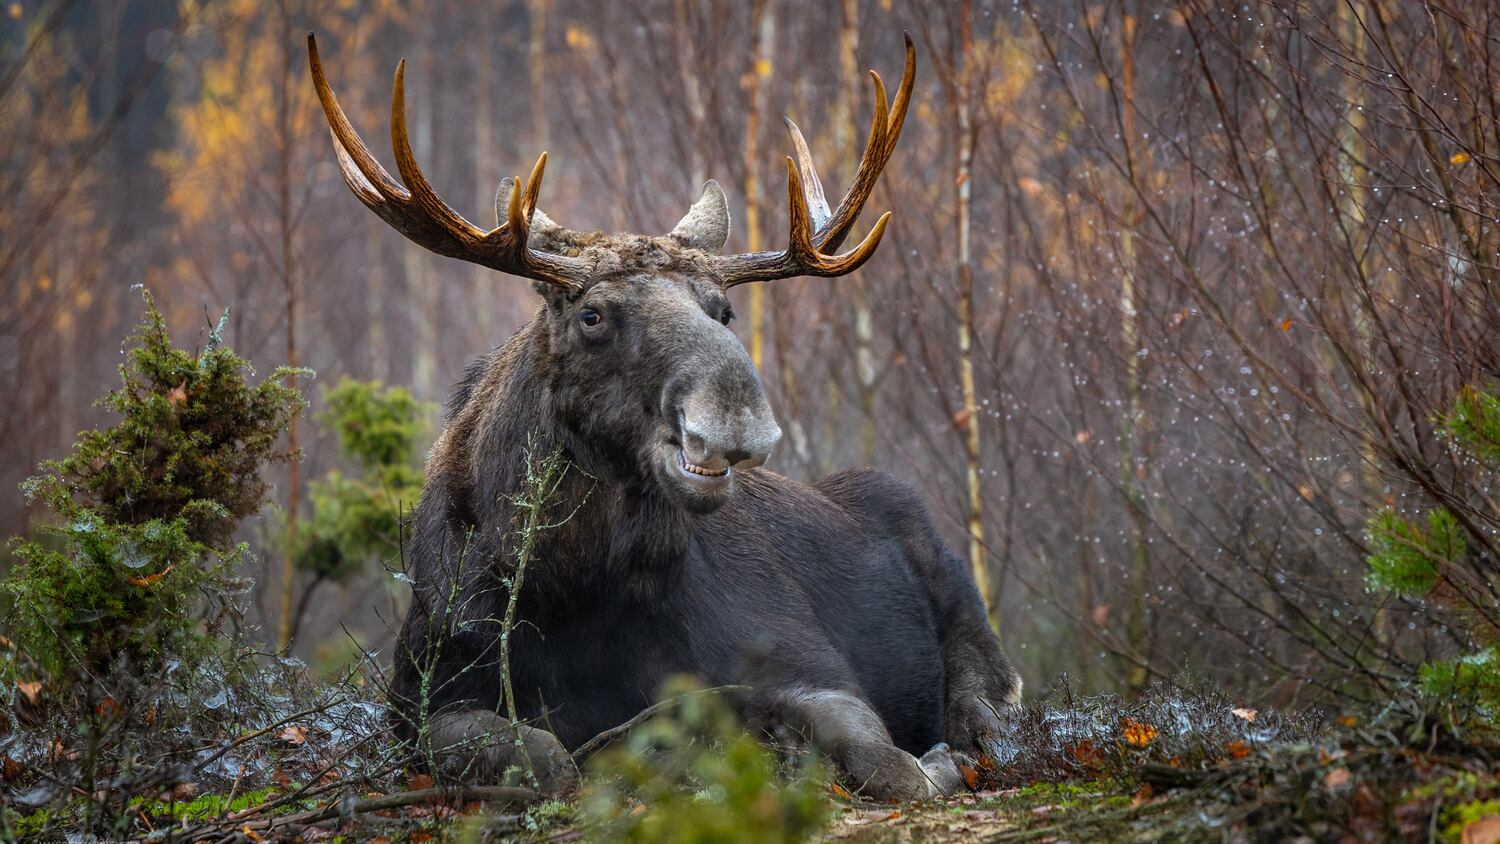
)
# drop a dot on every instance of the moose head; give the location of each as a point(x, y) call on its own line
point(644, 371)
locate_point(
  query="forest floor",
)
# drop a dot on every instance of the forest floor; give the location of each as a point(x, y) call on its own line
point(1173, 765)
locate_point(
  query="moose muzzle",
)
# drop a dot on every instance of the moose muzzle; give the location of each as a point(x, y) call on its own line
point(724, 423)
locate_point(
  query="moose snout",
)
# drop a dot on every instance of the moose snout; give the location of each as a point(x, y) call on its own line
point(719, 434)
point(742, 441)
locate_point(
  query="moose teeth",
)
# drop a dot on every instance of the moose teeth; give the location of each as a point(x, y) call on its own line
point(699, 470)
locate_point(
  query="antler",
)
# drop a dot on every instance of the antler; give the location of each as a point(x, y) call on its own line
point(815, 230)
point(418, 212)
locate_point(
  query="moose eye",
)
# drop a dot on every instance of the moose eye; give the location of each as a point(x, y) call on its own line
point(590, 317)
point(727, 316)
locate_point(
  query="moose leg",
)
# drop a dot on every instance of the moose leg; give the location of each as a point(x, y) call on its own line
point(980, 680)
point(479, 745)
point(852, 734)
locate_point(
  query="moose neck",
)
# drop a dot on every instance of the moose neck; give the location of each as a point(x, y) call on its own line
point(615, 534)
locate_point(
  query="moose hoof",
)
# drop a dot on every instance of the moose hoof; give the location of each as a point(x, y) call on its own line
point(888, 774)
point(480, 746)
point(973, 723)
point(941, 766)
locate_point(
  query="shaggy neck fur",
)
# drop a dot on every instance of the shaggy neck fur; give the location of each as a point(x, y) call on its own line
point(620, 537)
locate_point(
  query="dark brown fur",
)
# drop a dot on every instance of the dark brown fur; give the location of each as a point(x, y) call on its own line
point(836, 603)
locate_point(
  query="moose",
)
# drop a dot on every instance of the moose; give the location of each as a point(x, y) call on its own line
point(834, 610)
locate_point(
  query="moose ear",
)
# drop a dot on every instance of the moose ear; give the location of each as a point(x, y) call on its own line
point(706, 225)
point(543, 229)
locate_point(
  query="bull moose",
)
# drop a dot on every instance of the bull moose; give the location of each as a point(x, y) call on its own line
point(835, 607)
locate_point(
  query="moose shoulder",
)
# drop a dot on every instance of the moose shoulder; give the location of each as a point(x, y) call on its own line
point(835, 605)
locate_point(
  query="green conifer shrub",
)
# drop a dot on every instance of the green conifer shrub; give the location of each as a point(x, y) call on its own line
point(139, 550)
point(1442, 559)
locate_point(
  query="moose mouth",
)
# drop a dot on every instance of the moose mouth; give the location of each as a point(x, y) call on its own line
point(701, 489)
point(702, 478)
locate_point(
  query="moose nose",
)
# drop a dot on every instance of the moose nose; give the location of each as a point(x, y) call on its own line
point(740, 439)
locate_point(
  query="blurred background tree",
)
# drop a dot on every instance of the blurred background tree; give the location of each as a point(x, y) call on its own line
point(358, 520)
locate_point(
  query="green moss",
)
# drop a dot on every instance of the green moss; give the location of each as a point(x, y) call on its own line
point(17, 826)
point(545, 816)
point(206, 806)
point(1463, 784)
point(1455, 818)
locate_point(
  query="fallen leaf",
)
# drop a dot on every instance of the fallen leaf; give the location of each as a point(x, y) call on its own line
point(32, 691)
point(180, 792)
point(1085, 752)
point(106, 708)
point(840, 791)
point(294, 734)
point(151, 578)
point(1336, 778)
point(1459, 157)
point(10, 768)
point(1238, 749)
point(1486, 830)
point(971, 776)
point(1244, 714)
point(1325, 757)
point(1138, 733)
point(1141, 796)
point(1347, 720)
point(419, 782)
point(178, 394)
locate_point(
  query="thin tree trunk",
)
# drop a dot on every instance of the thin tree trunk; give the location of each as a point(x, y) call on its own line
point(845, 132)
point(422, 289)
point(1140, 560)
point(536, 66)
point(1352, 213)
point(978, 561)
point(488, 294)
point(289, 280)
point(692, 91)
point(763, 21)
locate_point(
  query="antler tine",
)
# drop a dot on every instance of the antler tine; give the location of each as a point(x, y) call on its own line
point(813, 187)
point(411, 173)
point(814, 231)
point(364, 173)
point(804, 251)
point(885, 130)
point(416, 210)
